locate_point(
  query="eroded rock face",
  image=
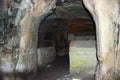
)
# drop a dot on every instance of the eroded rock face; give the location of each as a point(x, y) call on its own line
point(19, 56)
point(107, 21)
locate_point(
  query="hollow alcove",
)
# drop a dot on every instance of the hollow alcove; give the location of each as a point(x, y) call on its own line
point(67, 44)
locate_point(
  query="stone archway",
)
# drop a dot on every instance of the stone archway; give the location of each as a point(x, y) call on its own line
point(24, 43)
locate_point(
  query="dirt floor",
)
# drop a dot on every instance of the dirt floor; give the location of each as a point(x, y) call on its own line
point(59, 70)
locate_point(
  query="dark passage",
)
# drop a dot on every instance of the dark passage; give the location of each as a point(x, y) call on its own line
point(68, 27)
point(56, 70)
point(58, 37)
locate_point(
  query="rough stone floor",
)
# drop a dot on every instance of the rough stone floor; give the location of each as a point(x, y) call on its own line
point(59, 70)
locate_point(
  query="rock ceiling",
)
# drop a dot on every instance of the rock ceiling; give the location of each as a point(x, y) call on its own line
point(68, 9)
point(71, 9)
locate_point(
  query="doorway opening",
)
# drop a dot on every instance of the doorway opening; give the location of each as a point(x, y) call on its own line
point(67, 44)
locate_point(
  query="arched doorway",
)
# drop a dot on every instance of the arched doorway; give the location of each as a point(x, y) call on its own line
point(74, 36)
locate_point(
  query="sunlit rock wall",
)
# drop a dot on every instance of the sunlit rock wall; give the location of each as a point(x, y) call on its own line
point(82, 53)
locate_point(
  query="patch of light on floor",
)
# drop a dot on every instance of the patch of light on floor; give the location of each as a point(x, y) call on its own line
point(75, 79)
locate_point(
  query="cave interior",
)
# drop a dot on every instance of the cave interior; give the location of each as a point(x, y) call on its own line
point(67, 43)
